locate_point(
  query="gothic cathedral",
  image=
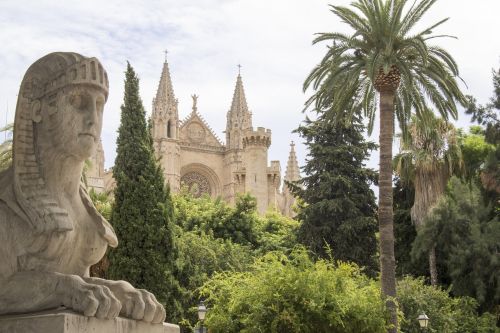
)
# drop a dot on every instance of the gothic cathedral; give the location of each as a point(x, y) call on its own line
point(192, 156)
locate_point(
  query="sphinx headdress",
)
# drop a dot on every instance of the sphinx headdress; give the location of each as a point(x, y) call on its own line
point(45, 78)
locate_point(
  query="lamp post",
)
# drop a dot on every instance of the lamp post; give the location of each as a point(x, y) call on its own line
point(423, 320)
point(202, 311)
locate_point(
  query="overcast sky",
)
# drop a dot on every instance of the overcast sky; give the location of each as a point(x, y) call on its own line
point(206, 40)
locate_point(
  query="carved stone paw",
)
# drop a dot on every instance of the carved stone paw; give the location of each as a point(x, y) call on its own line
point(138, 304)
point(89, 299)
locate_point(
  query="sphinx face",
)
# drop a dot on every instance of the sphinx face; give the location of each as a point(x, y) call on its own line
point(73, 121)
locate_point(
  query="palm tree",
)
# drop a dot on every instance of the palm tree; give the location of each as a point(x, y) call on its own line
point(384, 56)
point(6, 148)
point(429, 156)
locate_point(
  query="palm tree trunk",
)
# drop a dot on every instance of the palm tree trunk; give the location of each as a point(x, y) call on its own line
point(429, 188)
point(385, 210)
point(433, 266)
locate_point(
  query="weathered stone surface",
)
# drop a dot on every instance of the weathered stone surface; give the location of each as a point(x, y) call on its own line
point(50, 231)
point(69, 322)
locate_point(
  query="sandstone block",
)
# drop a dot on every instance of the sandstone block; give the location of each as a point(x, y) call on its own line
point(64, 321)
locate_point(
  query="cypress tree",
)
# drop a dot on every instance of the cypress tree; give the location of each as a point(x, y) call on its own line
point(339, 211)
point(141, 213)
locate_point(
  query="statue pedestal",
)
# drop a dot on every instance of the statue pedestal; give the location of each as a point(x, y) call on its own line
point(64, 321)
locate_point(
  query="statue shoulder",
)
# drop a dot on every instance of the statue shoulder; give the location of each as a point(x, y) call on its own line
point(8, 203)
point(103, 226)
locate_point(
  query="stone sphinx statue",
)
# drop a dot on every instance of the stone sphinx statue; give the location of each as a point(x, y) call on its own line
point(50, 232)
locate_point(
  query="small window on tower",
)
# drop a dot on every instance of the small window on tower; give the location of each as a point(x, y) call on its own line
point(256, 178)
point(169, 130)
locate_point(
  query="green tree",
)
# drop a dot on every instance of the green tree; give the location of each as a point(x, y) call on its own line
point(213, 237)
point(340, 210)
point(276, 232)
point(468, 237)
point(429, 156)
point(384, 55)
point(142, 211)
point(475, 150)
point(294, 294)
point(103, 202)
point(487, 115)
point(238, 224)
point(6, 147)
point(201, 256)
point(405, 232)
point(446, 314)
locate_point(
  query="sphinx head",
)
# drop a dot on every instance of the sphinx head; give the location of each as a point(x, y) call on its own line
point(66, 93)
point(59, 111)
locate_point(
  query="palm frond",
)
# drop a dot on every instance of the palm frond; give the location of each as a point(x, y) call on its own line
point(414, 15)
point(428, 30)
point(381, 40)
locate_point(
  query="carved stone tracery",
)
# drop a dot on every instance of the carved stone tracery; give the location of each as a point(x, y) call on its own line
point(196, 183)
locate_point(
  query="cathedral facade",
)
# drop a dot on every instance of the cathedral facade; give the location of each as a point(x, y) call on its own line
point(193, 157)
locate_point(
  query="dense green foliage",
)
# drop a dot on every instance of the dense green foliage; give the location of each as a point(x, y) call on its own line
point(446, 314)
point(429, 155)
point(475, 151)
point(487, 115)
point(294, 294)
point(340, 210)
point(103, 202)
point(468, 236)
point(213, 237)
point(465, 225)
point(203, 215)
point(405, 232)
point(201, 256)
point(277, 233)
point(240, 224)
point(142, 210)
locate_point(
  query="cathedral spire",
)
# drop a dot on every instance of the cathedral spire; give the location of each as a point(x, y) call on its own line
point(292, 172)
point(239, 118)
point(165, 116)
point(239, 105)
point(165, 100)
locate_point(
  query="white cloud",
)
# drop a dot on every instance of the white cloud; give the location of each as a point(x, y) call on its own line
point(206, 40)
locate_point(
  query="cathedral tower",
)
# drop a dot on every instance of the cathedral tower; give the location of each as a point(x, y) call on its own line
point(292, 174)
point(239, 118)
point(165, 127)
point(255, 145)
